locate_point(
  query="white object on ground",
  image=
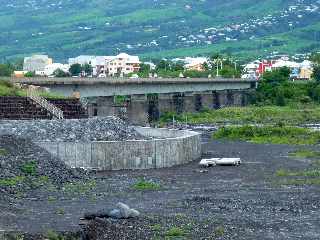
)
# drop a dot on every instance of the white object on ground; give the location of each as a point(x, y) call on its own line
point(220, 161)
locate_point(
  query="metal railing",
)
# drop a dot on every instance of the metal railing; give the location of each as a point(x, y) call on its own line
point(55, 111)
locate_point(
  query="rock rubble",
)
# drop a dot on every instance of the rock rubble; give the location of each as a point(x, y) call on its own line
point(71, 130)
point(25, 166)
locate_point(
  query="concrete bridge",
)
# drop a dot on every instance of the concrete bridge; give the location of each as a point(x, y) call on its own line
point(147, 99)
point(106, 87)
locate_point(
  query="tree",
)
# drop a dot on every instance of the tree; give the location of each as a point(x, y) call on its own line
point(30, 74)
point(60, 73)
point(315, 58)
point(87, 68)
point(144, 70)
point(5, 70)
point(316, 73)
point(276, 77)
point(75, 69)
point(163, 65)
point(179, 66)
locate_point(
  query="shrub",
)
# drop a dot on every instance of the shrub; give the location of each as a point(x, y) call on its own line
point(175, 232)
point(29, 168)
point(143, 185)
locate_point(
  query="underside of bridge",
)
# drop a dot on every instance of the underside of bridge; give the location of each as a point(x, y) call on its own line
point(147, 109)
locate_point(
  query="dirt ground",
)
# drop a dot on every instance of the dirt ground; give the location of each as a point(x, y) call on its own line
point(245, 202)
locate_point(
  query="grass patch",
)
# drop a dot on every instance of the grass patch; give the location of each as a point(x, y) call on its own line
point(289, 115)
point(269, 134)
point(29, 168)
point(305, 153)
point(300, 182)
point(219, 231)
point(79, 188)
point(3, 152)
point(156, 227)
point(8, 89)
point(10, 182)
point(175, 232)
point(60, 211)
point(305, 173)
point(143, 185)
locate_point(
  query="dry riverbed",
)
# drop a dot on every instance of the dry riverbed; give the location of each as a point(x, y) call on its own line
point(252, 201)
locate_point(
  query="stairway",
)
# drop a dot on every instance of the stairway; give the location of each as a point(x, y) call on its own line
point(51, 108)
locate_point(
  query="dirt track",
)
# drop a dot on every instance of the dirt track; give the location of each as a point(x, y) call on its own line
point(242, 202)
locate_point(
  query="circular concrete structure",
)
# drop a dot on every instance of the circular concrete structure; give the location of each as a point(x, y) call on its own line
point(167, 148)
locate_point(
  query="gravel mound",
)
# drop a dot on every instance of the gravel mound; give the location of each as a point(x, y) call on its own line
point(71, 130)
point(25, 166)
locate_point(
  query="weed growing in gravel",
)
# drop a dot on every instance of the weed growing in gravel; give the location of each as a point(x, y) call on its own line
point(305, 173)
point(60, 211)
point(219, 231)
point(52, 235)
point(10, 182)
point(52, 199)
point(144, 185)
point(269, 134)
point(29, 168)
point(79, 187)
point(175, 232)
point(3, 152)
point(156, 227)
point(298, 182)
point(305, 153)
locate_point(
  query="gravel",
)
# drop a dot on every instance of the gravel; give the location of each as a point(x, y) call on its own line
point(71, 130)
point(25, 166)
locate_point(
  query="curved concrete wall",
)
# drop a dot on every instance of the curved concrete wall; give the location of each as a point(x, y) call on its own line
point(172, 147)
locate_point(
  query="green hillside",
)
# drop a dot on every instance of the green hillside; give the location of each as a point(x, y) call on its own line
point(66, 28)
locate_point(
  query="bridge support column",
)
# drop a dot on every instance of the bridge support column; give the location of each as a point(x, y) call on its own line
point(153, 107)
point(178, 102)
point(215, 100)
point(207, 100)
point(165, 102)
point(137, 110)
point(190, 102)
point(101, 106)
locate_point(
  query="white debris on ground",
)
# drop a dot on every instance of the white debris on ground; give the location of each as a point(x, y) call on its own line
point(220, 161)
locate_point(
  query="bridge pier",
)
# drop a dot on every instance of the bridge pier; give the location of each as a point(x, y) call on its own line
point(144, 109)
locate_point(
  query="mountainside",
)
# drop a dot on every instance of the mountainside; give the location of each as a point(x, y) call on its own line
point(154, 28)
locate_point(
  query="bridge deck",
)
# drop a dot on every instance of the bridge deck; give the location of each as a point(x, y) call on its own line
point(117, 81)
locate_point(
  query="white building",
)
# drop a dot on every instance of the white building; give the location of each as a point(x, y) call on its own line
point(36, 63)
point(121, 64)
point(49, 69)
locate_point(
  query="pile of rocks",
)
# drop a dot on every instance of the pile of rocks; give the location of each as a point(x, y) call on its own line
point(25, 166)
point(122, 211)
point(71, 130)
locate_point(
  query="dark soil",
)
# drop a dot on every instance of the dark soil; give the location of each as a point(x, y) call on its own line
point(245, 202)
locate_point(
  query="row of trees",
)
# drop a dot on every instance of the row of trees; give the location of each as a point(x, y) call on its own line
point(217, 65)
point(275, 87)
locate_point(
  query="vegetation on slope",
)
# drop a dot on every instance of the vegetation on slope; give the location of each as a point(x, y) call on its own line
point(68, 28)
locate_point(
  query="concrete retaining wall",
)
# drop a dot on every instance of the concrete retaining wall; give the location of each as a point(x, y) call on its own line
point(173, 147)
